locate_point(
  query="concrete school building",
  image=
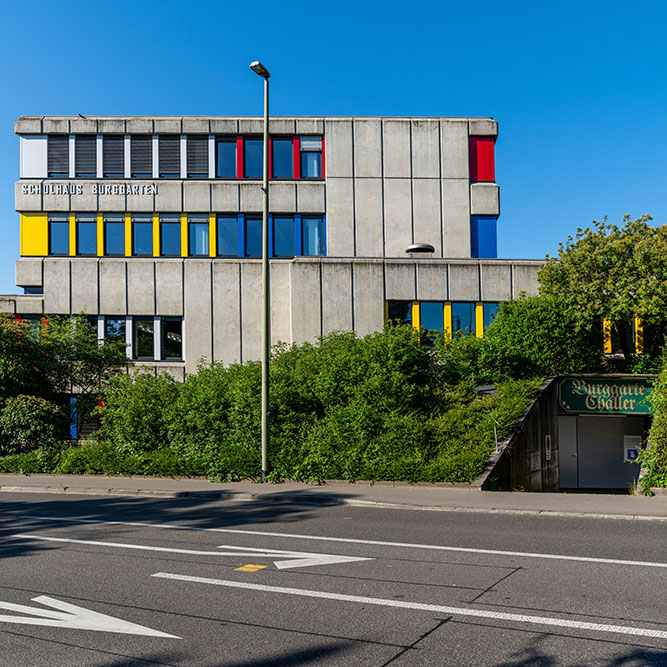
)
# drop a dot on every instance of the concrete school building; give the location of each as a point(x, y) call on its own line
point(151, 226)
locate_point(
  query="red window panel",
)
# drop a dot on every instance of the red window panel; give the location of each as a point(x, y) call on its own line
point(296, 156)
point(482, 161)
point(239, 157)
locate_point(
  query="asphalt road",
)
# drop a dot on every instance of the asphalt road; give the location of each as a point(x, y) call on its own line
point(137, 581)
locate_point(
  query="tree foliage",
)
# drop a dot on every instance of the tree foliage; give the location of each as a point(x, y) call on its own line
point(614, 272)
point(48, 361)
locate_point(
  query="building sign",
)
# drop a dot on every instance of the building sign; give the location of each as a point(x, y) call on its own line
point(606, 396)
point(631, 446)
point(89, 188)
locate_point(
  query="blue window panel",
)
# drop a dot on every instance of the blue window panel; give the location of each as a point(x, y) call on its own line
point(198, 239)
point(142, 237)
point(73, 418)
point(399, 311)
point(114, 237)
point(313, 235)
point(58, 238)
point(483, 236)
point(298, 235)
point(282, 152)
point(170, 238)
point(283, 236)
point(253, 237)
point(253, 156)
point(311, 165)
point(226, 158)
point(227, 236)
point(86, 238)
point(240, 230)
point(490, 311)
point(463, 317)
point(432, 316)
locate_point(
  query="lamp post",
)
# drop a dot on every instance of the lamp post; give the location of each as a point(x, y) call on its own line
point(260, 70)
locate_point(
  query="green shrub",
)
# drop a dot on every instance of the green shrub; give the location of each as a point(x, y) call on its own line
point(29, 422)
point(654, 460)
point(137, 412)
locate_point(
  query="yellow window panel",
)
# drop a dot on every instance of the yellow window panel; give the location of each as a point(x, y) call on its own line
point(184, 235)
point(128, 235)
point(639, 336)
point(34, 234)
point(416, 315)
point(100, 235)
point(606, 335)
point(72, 234)
point(479, 320)
point(212, 236)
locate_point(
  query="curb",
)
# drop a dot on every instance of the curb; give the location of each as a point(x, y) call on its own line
point(314, 499)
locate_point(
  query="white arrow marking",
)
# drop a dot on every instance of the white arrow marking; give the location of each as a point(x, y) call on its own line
point(298, 558)
point(73, 617)
point(438, 609)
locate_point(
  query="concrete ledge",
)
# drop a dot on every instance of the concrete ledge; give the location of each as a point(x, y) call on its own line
point(659, 491)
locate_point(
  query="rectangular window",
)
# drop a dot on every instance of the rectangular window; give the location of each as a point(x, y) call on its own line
point(198, 235)
point(142, 234)
point(169, 156)
point(85, 156)
point(114, 234)
point(58, 234)
point(283, 236)
point(114, 328)
point(399, 312)
point(141, 156)
point(197, 156)
point(490, 312)
point(463, 318)
point(57, 151)
point(143, 333)
point(253, 156)
point(227, 240)
point(311, 157)
point(170, 235)
point(253, 237)
point(432, 316)
point(171, 348)
point(86, 234)
point(281, 158)
point(226, 158)
point(113, 157)
point(312, 231)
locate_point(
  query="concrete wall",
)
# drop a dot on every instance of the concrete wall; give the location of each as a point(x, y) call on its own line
point(390, 182)
point(521, 464)
point(220, 299)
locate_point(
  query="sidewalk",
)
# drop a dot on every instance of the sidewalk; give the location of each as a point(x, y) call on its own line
point(382, 494)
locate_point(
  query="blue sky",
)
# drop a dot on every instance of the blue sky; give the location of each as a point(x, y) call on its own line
point(577, 88)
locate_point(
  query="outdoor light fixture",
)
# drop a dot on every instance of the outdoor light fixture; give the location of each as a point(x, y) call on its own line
point(259, 69)
point(420, 248)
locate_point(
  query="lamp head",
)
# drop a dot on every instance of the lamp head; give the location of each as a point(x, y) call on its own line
point(258, 68)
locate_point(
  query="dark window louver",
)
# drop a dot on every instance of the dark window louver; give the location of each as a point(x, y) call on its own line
point(170, 156)
point(141, 159)
point(113, 156)
point(198, 157)
point(58, 155)
point(85, 156)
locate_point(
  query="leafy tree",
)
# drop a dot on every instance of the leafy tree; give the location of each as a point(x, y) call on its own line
point(614, 272)
point(54, 358)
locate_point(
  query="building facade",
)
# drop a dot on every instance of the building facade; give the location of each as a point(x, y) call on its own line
point(151, 227)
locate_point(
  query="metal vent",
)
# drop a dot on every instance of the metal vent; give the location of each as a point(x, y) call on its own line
point(170, 155)
point(198, 156)
point(85, 155)
point(58, 155)
point(141, 155)
point(113, 156)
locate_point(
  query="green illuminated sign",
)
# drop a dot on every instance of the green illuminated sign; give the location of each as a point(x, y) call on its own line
point(607, 396)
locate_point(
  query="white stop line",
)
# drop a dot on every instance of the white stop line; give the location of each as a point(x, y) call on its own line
point(440, 609)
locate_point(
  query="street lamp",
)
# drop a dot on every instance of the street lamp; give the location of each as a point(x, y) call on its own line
point(260, 70)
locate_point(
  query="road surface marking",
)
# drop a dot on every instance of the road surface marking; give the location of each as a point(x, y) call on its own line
point(73, 617)
point(346, 540)
point(250, 568)
point(297, 558)
point(440, 609)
